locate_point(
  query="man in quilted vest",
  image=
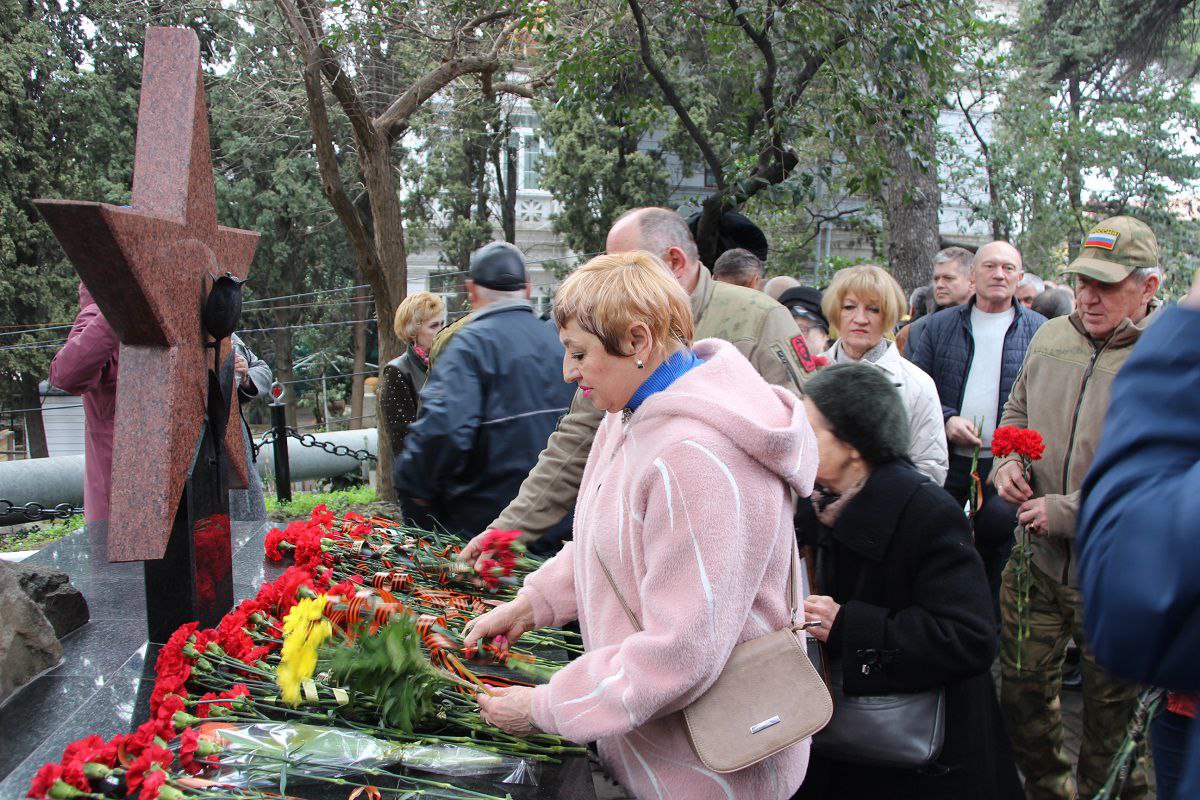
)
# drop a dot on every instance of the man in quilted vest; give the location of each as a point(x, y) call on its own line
point(973, 352)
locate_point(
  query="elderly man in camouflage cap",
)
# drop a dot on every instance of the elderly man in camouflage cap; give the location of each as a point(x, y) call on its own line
point(1063, 392)
point(760, 328)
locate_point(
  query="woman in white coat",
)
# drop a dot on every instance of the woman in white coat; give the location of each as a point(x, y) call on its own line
point(862, 304)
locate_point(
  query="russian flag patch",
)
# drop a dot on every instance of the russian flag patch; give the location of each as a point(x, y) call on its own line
point(1104, 238)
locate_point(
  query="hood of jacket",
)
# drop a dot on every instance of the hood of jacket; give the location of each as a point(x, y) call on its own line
point(727, 396)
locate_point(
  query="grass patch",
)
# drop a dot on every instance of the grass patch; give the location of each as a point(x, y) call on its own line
point(301, 505)
point(35, 537)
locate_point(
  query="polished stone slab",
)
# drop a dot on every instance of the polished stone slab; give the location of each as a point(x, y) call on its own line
point(104, 681)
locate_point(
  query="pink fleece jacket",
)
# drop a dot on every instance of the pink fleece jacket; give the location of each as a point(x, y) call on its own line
point(87, 365)
point(689, 503)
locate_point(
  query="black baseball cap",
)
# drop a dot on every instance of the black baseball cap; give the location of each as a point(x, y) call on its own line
point(499, 266)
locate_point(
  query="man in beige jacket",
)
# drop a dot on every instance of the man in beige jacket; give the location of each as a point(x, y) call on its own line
point(758, 326)
point(1062, 392)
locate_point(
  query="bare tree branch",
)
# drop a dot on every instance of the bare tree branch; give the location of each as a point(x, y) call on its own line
point(394, 121)
point(674, 100)
point(331, 179)
point(766, 87)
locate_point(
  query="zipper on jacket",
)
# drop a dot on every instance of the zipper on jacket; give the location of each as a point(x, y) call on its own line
point(783, 359)
point(1087, 376)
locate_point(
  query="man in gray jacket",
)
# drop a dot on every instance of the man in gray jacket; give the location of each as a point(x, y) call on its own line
point(759, 327)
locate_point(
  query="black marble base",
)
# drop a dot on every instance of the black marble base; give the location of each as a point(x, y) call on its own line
point(193, 579)
point(103, 684)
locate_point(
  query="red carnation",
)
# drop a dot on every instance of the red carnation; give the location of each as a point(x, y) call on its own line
point(345, 588)
point(280, 594)
point(166, 711)
point(91, 748)
point(189, 742)
point(152, 782)
point(274, 539)
point(152, 759)
point(44, 781)
point(143, 738)
point(321, 515)
point(1023, 442)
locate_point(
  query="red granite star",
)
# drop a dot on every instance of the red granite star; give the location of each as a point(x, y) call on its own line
point(148, 268)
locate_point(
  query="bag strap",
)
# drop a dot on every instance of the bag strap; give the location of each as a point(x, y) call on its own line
point(793, 586)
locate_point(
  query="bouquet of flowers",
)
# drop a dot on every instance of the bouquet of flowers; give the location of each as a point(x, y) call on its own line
point(1028, 445)
point(355, 640)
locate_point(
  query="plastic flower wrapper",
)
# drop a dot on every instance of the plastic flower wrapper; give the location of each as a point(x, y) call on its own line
point(252, 755)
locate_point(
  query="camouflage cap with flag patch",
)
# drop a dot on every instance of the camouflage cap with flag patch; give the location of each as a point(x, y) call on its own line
point(1114, 248)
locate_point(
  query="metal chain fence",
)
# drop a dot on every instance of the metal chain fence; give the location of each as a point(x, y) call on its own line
point(37, 511)
point(309, 440)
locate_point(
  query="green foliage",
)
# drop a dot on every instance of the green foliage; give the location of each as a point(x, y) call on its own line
point(786, 106)
point(390, 667)
point(1081, 128)
point(267, 181)
point(60, 137)
point(301, 505)
point(597, 169)
point(35, 537)
point(459, 188)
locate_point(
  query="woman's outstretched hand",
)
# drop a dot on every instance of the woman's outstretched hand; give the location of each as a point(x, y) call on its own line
point(510, 620)
point(509, 709)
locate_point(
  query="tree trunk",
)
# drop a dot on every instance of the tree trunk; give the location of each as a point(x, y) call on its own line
point(35, 429)
point(708, 231)
point(911, 199)
point(358, 379)
point(390, 282)
point(509, 199)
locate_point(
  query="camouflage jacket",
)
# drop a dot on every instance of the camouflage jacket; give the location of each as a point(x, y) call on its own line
point(762, 329)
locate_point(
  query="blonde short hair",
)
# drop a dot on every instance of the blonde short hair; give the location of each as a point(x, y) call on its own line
point(414, 311)
point(868, 283)
point(611, 292)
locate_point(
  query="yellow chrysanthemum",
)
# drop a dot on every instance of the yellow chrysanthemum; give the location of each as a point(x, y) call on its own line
point(304, 629)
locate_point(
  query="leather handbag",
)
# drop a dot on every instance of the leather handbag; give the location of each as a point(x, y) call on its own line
point(767, 698)
point(901, 730)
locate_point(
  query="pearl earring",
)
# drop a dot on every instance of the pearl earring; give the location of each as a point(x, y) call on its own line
point(640, 364)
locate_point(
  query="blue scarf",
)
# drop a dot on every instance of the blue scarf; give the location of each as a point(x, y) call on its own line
point(667, 373)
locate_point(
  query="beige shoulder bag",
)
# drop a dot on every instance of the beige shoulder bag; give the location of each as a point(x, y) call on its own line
point(767, 698)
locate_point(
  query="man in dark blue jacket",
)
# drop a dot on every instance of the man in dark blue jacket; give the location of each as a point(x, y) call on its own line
point(973, 352)
point(491, 402)
point(1139, 535)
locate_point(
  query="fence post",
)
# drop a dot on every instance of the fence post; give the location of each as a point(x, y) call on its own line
point(283, 470)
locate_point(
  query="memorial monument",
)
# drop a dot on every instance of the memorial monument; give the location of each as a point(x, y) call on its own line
point(151, 267)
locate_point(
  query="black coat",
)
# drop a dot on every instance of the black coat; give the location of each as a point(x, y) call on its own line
point(399, 395)
point(916, 611)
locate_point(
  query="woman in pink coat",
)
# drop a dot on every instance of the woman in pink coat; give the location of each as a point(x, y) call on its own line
point(687, 499)
point(87, 366)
